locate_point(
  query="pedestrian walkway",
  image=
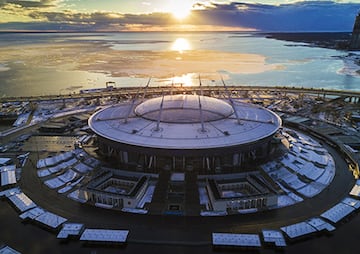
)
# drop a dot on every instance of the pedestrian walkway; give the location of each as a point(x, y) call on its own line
point(158, 206)
point(192, 200)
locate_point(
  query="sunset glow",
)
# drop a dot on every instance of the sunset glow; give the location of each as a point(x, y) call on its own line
point(186, 79)
point(180, 45)
point(180, 9)
point(176, 15)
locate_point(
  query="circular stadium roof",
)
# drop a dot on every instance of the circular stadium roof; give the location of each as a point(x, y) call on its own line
point(184, 109)
point(184, 122)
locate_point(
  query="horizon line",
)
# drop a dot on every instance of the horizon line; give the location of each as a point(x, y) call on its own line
point(171, 31)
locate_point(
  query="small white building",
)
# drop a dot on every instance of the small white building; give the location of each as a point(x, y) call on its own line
point(5, 161)
point(247, 193)
point(8, 176)
point(114, 191)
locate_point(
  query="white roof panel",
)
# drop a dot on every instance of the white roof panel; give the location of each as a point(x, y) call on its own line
point(355, 191)
point(4, 161)
point(274, 236)
point(51, 161)
point(298, 230)
point(32, 213)
point(22, 202)
point(10, 192)
point(337, 212)
point(239, 240)
point(8, 250)
point(70, 229)
point(351, 202)
point(8, 175)
point(320, 224)
point(50, 219)
point(54, 183)
point(105, 235)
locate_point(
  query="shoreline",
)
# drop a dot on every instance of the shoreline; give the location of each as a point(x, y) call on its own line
point(329, 40)
point(130, 91)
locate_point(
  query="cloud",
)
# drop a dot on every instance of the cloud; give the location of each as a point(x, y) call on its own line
point(30, 4)
point(102, 18)
point(298, 16)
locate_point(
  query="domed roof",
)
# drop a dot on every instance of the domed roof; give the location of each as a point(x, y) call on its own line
point(184, 108)
point(183, 125)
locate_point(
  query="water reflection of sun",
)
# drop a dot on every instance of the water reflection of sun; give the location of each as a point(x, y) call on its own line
point(184, 80)
point(180, 45)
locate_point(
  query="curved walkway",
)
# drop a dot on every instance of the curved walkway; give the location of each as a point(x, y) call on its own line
point(170, 229)
point(166, 233)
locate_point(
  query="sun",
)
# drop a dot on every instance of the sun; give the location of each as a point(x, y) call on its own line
point(181, 13)
point(180, 9)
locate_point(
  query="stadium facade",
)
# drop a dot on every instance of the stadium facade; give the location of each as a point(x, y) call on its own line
point(185, 132)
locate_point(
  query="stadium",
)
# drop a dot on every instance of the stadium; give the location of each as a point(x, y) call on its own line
point(185, 132)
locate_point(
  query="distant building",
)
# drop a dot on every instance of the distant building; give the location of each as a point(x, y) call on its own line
point(54, 127)
point(355, 38)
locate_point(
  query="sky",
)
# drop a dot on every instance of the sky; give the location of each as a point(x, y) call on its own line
point(177, 15)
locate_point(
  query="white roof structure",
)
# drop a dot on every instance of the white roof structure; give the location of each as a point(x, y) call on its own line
point(299, 171)
point(82, 168)
point(22, 202)
point(337, 212)
point(70, 229)
point(320, 224)
point(5, 161)
point(236, 240)
point(104, 235)
point(147, 197)
point(50, 161)
point(32, 214)
point(50, 220)
point(41, 216)
point(54, 183)
point(298, 230)
point(213, 213)
point(134, 210)
point(9, 192)
point(275, 237)
point(355, 191)
point(185, 122)
point(8, 175)
point(8, 250)
point(54, 169)
point(351, 202)
point(75, 195)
